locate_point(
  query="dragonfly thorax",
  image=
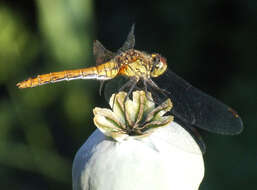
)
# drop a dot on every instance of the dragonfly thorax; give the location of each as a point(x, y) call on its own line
point(134, 63)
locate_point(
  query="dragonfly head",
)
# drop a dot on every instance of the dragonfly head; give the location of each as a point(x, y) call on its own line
point(159, 65)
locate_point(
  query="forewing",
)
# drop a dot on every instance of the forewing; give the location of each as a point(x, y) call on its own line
point(130, 41)
point(199, 109)
point(101, 54)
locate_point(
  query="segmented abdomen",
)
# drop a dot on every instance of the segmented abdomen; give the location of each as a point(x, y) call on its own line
point(104, 71)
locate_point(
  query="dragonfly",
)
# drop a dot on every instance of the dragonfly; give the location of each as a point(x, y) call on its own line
point(191, 106)
point(128, 62)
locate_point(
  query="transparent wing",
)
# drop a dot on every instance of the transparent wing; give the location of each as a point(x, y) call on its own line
point(101, 54)
point(198, 109)
point(130, 41)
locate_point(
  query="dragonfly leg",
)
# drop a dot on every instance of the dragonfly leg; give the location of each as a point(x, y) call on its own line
point(156, 99)
point(155, 86)
point(131, 83)
point(101, 87)
point(145, 89)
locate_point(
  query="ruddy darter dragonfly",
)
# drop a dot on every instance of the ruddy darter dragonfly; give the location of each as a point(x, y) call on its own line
point(191, 106)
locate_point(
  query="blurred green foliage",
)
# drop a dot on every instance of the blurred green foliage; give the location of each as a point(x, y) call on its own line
point(15, 41)
point(31, 120)
point(210, 43)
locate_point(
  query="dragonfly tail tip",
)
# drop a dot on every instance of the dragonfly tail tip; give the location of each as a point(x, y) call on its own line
point(20, 85)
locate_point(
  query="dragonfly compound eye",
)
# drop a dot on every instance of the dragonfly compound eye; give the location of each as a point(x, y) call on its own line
point(159, 65)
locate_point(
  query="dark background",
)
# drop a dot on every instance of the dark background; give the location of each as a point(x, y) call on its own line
point(211, 43)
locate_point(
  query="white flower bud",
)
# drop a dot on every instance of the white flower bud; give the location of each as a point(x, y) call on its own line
point(165, 158)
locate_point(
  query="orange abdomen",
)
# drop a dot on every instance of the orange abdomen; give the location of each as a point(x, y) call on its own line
point(104, 71)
